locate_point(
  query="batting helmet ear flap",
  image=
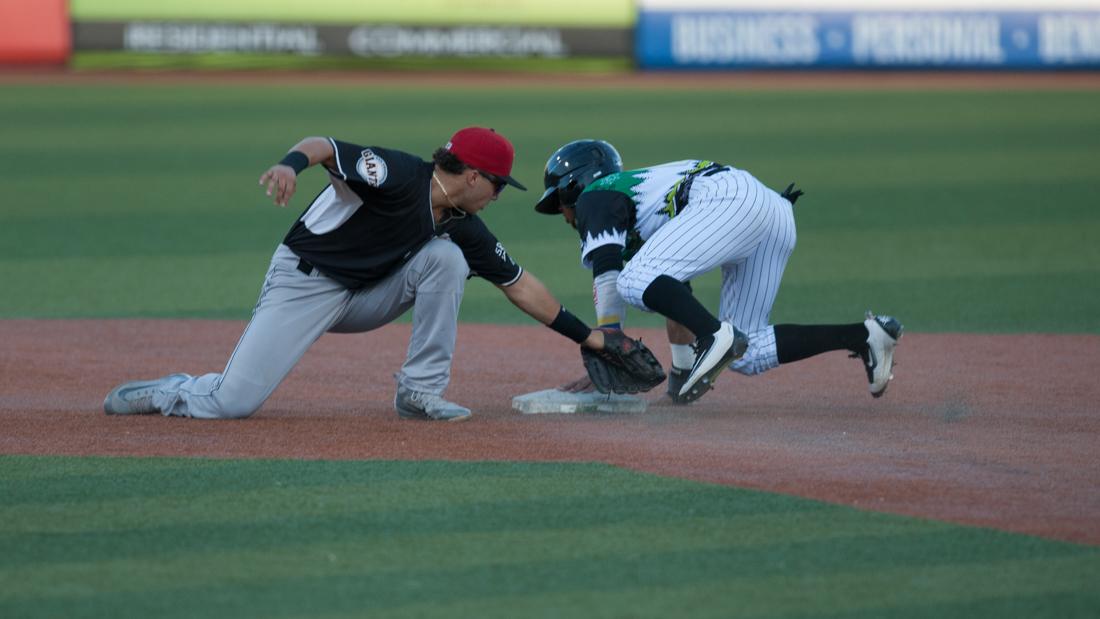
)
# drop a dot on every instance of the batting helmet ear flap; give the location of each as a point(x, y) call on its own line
point(568, 195)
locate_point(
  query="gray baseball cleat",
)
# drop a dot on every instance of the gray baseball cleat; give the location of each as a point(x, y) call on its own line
point(411, 404)
point(883, 333)
point(136, 397)
point(712, 354)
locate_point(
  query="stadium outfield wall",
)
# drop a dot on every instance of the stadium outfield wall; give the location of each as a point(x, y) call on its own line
point(808, 34)
point(651, 34)
point(34, 33)
point(417, 28)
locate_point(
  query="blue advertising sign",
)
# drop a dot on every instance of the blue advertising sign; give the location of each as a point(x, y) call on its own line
point(867, 39)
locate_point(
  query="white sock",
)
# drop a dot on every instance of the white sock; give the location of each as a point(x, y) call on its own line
point(683, 357)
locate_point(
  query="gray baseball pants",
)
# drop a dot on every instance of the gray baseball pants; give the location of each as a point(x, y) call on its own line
point(294, 309)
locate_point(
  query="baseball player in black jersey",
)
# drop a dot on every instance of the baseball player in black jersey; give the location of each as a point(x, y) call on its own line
point(388, 233)
point(671, 222)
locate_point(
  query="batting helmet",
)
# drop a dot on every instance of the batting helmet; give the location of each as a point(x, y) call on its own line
point(571, 168)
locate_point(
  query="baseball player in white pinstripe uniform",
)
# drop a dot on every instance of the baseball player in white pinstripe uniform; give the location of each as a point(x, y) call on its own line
point(672, 222)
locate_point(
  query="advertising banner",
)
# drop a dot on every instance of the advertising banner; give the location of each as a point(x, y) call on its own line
point(583, 13)
point(722, 38)
point(367, 41)
point(425, 28)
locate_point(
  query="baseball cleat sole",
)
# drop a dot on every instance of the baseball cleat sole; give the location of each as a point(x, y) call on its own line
point(883, 333)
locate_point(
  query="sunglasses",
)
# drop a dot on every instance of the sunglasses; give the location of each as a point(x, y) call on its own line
point(498, 183)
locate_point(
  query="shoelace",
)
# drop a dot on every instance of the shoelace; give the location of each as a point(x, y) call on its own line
point(427, 401)
point(142, 398)
point(697, 347)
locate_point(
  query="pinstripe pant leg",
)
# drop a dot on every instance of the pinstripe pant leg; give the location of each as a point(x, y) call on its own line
point(724, 222)
point(749, 288)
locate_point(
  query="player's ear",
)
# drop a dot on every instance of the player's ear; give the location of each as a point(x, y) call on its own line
point(570, 215)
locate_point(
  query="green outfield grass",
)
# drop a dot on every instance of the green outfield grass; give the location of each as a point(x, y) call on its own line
point(968, 211)
point(128, 537)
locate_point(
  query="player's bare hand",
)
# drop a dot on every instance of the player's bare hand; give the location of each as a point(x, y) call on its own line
point(595, 340)
point(281, 182)
point(581, 385)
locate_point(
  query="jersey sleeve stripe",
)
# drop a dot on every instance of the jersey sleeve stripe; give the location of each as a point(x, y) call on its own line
point(514, 279)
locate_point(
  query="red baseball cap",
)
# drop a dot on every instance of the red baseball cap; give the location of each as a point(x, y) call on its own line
point(485, 150)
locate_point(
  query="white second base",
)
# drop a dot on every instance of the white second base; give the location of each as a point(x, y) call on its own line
point(556, 401)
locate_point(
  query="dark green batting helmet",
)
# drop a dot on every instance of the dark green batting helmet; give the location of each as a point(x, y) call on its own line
point(571, 168)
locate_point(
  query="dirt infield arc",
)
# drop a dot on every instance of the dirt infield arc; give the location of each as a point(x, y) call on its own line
point(998, 431)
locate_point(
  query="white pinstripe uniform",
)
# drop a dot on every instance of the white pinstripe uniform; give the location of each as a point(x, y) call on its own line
point(730, 220)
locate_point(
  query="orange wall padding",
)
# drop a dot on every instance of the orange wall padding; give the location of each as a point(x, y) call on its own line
point(34, 31)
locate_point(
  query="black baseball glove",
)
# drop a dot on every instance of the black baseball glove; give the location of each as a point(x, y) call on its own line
point(624, 365)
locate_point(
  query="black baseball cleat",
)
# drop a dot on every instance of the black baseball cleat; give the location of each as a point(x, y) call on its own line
point(883, 333)
point(676, 379)
point(712, 354)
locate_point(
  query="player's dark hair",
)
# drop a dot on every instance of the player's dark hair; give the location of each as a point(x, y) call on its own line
point(447, 162)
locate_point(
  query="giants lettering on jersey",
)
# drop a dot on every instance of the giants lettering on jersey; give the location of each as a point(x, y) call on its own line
point(372, 168)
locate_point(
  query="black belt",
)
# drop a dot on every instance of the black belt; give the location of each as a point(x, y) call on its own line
point(684, 190)
point(305, 266)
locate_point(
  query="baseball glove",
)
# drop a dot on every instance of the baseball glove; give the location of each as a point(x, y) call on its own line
point(624, 365)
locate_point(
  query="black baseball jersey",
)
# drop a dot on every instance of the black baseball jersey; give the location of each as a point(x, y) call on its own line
point(376, 213)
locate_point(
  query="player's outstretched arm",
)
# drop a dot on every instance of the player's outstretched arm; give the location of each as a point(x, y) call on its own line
point(615, 363)
point(533, 297)
point(281, 179)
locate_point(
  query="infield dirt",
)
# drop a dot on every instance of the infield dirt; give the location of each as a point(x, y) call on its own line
point(997, 431)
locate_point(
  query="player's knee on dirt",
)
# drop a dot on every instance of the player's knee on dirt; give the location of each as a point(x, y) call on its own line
point(218, 396)
point(239, 402)
point(238, 410)
point(216, 406)
point(442, 267)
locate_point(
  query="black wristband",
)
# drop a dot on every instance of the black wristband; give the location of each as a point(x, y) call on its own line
point(297, 160)
point(570, 326)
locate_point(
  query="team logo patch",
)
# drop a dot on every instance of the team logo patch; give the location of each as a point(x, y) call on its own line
point(372, 168)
